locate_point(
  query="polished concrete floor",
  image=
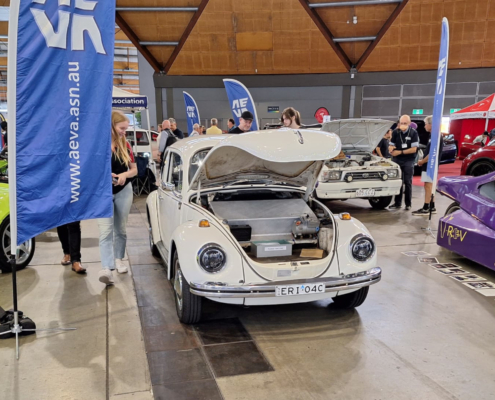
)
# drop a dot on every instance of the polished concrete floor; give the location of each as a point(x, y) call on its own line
point(419, 334)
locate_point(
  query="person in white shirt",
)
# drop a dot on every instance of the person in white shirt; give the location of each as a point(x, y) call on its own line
point(195, 131)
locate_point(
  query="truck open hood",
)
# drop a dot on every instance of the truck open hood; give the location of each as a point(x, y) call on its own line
point(358, 134)
point(294, 157)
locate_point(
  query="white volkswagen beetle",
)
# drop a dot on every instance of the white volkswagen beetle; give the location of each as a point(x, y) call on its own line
point(235, 222)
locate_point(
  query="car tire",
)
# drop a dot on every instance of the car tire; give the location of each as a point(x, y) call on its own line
point(26, 253)
point(453, 208)
point(154, 250)
point(482, 167)
point(351, 300)
point(188, 305)
point(380, 203)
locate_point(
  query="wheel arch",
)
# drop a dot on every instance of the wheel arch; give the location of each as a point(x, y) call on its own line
point(477, 161)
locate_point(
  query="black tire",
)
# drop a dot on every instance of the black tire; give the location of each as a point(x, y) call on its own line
point(380, 203)
point(351, 300)
point(453, 208)
point(482, 167)
point(153, 248)
point(26, 252)
point(188, 305)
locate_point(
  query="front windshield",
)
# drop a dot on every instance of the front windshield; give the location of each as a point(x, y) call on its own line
point(141, 136)
point(196, 162)
point(492, 143)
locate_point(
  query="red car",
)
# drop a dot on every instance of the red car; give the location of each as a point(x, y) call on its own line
point(480, 162)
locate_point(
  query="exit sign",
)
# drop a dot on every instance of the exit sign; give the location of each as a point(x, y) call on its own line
point(453, 110)
point(417, 111)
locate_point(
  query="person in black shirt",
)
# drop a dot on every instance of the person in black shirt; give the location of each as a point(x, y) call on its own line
point(245, 122)
point(230, 124)
point(429, 201)
point(113, 237)
point(173, 127)
point(403, 148)
point(382, 148)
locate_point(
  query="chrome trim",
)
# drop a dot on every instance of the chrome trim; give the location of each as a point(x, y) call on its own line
point(355, 239)
point(335, 284)
point(209, 246)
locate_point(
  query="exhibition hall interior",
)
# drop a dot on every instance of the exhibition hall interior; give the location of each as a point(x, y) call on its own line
point(247, 199)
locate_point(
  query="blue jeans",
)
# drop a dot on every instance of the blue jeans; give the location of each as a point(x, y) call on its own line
point(113, 235)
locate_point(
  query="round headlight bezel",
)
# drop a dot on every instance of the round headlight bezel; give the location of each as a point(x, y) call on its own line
point(355, 241)
point(208, 248)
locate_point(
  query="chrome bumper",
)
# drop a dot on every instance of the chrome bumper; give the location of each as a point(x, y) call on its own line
point(219, 289)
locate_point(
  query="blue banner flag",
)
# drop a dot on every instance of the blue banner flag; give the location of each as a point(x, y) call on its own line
point(240, 100)
point(192, 112)
point(60, 97)
point(443, 62)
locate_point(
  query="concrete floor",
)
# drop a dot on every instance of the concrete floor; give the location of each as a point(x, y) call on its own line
point(419, 335)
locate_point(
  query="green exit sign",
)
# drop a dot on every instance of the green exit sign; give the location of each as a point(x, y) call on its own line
point(453, 110)
point(417, 111)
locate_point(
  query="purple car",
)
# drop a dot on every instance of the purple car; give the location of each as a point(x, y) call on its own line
point(468, 227)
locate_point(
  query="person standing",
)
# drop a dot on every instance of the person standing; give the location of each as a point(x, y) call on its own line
point(403, 148)
point(173, 127)
point(291, 118)
point(214, 129)
point(382, 147)
point(113, 237)
point(166, 138)
point(245, 122)
point(231, 124)
point(429, 201)
point(70, 238)
point(195, 131)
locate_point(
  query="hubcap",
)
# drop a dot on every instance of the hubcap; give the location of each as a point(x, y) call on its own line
point(24, 249)
point(178, 287)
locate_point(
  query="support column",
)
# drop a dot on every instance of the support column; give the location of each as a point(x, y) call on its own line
point(170, 102)
point(346, 98)
point(159, 105)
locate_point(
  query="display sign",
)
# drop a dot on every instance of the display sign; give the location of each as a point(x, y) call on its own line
point(432, 170)
point(130, 102)
point(320, 113)
point(273, 109)
point(453, 110)
point(192, 112)
point(240, 100)
point(417, 111)
point(60, 102)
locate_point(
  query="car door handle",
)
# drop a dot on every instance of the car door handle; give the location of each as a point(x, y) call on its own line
point(160, 197)
point(179, 205)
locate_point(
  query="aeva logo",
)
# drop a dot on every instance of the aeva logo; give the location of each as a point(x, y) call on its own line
point(191, 112)
point(80, 24)
point(239, 106)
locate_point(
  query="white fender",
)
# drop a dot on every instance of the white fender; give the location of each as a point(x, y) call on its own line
point(152, 206)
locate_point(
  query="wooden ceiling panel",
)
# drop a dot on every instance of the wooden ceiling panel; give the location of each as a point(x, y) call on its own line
point(158, 3)
point(229, 34)
point(4, 28)
point(416, 33)
point(355, 50)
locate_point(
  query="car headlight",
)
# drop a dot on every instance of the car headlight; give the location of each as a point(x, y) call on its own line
point(362, 248)
point(212, 258)
point(330, 175)
point(393, 173)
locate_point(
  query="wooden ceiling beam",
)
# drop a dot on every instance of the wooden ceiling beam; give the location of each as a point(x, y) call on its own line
point(380, 35)
point(135, 41)
point(185, 35)
point(327, 34)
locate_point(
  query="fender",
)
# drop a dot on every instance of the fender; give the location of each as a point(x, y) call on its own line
point(152, 209)
point(189, 238)
point(476, 161)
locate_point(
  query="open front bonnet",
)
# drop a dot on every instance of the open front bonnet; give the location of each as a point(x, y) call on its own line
point(284, 155)
point(358, 134)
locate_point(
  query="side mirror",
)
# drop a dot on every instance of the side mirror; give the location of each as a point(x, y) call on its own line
point(169, 187)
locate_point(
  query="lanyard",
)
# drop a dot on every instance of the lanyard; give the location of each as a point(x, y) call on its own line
point(408, 135)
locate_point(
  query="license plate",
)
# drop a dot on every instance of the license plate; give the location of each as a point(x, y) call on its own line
point(365, 192)
point(297, 290)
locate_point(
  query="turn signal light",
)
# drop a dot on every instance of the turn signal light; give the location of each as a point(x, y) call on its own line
point(204, 223)
point(345, 216)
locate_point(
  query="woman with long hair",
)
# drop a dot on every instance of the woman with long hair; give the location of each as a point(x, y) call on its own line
point(291, 118)
point(113, 237)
